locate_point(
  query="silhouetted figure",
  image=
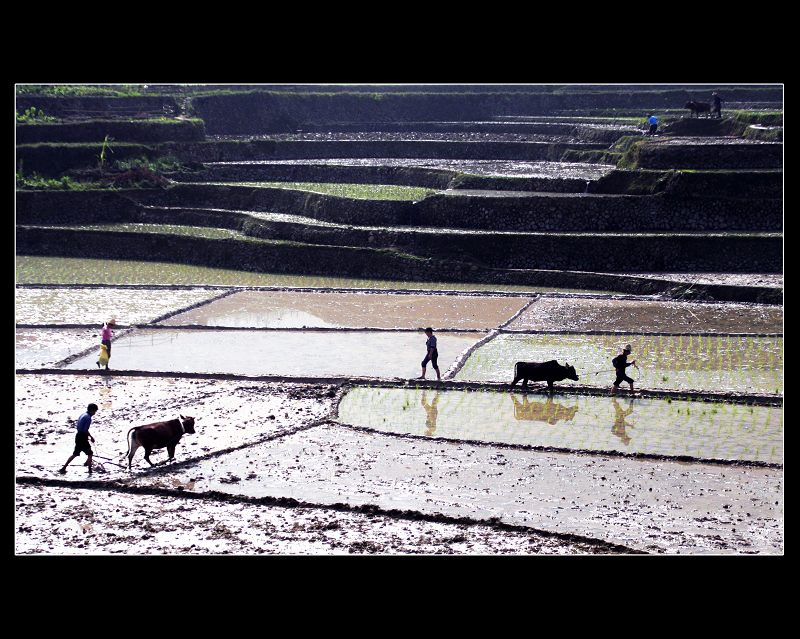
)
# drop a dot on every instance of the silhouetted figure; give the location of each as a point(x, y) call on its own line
point(432, 354)
point(620, 363)
point(716, 105)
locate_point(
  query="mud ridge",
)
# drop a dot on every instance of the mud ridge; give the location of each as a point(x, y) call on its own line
point(459, 362)
point(568, 451)
point(378, 329)
point(730, 397)
point(366, 509)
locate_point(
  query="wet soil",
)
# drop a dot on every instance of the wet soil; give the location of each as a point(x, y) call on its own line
point(628, 315)
point(92, 306)
point(733, 279)
point(351, 310)
point(66, 521)
point(650, 506)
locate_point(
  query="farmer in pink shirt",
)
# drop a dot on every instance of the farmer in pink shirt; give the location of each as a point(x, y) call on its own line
point(105, 337)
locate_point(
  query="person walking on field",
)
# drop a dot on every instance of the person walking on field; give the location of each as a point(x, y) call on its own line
point(432, 354)
point(82, 438)
point(620, 363)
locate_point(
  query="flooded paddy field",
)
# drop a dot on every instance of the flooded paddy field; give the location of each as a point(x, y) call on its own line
point(574, 314)
point(680, 362)
point(736, 279)
point(648, 506)
point(355, 191)
point(292, 353)
point(674, 428)
point(273, 309)
point(44, 347)
point(420, 136)
point(95, 306)
point(488, 168)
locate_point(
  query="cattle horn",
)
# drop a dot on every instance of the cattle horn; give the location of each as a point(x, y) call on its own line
point(182, 417)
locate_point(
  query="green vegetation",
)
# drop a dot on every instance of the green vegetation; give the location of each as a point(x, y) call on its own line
point(32, 115)
point(36, 182)
point(167, 163)
point(68, 270)
point(79, 90)
point(169, 229)
point(353, 191)
point(766, 118)
point(699, 362)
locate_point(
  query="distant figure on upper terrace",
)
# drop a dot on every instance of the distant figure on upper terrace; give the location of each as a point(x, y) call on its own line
point(716, 105)
point(652, 120)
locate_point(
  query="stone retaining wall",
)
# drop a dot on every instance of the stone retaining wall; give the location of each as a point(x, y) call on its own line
point(582, 252)
point(139, 131)
point(263, 112)
point(536, 213)
point(764, 155)
point(100, 106)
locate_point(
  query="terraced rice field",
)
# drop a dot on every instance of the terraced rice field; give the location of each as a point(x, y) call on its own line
point(562, 314)
point(679, 362)
point(95, 306)
point(273, 309)
point(354, 191)
point(671, 428)
point(68, 270)
point(295, 353)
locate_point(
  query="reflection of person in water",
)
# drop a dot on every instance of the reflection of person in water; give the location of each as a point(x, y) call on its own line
point(548, 411)
point(433, 413)
point(619, 426)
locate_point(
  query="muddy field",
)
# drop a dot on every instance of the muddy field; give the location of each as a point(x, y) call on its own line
point(339, 467)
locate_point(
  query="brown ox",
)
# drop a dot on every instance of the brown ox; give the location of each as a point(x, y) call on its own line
point(158, 435)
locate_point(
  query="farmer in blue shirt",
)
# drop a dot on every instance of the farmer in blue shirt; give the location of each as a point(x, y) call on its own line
point(82, 438)
point(432, 354)
point(653, 122)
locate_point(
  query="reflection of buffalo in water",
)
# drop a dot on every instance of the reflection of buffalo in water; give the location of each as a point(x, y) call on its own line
point(548, 411)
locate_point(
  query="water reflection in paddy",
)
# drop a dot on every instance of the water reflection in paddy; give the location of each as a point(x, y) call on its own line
point(295, 353)
point(649, 426)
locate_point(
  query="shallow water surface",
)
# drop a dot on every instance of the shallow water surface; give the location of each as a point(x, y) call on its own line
point(645, 426)
point(295, 353)
point(278, 309)
point(635, 315)
point(680, 362)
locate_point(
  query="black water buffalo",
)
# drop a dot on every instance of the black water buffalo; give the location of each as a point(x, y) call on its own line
point(698, 107)
point(548, 372)
point(158, 435)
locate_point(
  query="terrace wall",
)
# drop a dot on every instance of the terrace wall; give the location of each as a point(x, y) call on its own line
point(264, 112)
point(538, 213)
